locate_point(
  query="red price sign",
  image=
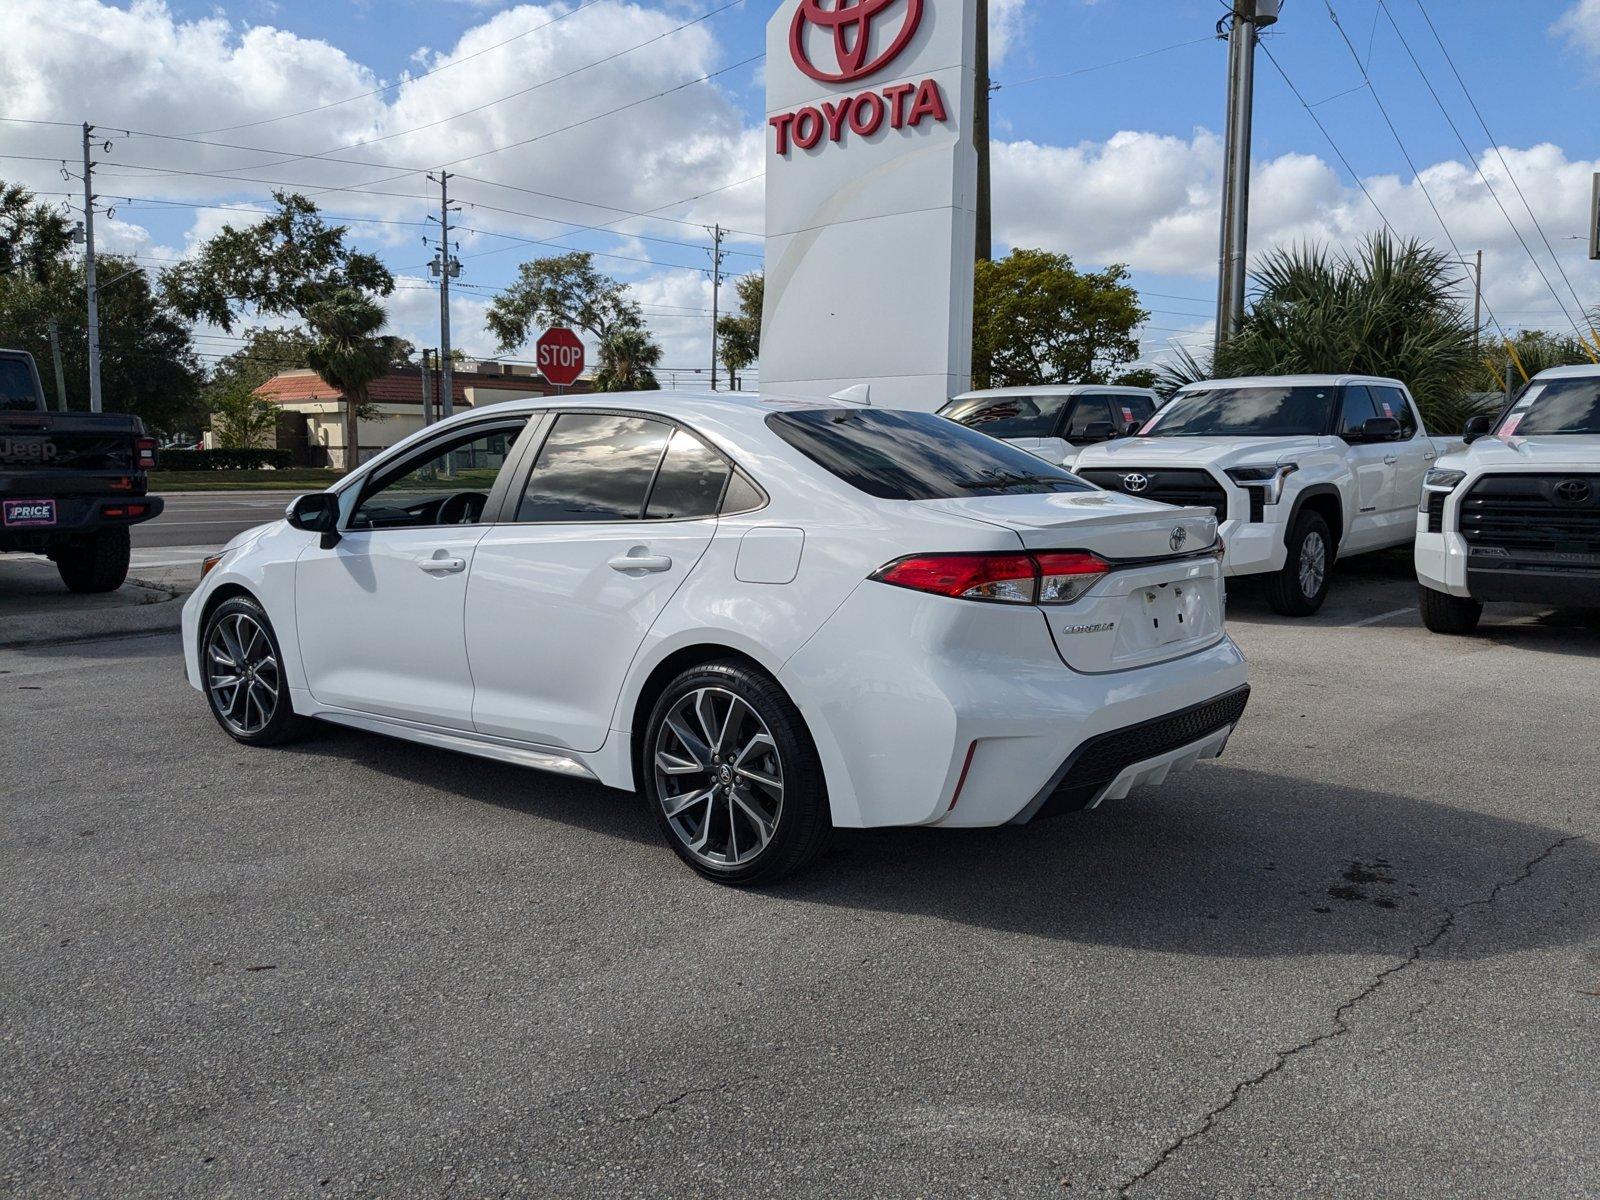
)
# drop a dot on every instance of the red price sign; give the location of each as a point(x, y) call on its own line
point(560, 356)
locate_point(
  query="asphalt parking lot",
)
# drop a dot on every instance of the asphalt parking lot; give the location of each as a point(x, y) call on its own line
point(1358, 956)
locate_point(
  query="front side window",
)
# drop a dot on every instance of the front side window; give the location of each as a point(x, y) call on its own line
point(594, 467)
point(1266, 411)
point(1554, 406)
point(1392, 402)
point(897, 455)
point(1009, 416)
point(445, 483)
point(1359, 408)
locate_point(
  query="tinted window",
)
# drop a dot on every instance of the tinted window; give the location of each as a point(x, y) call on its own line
point(1009, 416)
point(1088, 410)
point(1555, 406)
point(16, 387)
point(1246, 412)
point(1359, 408)
point(1391, 402)
point(690, 481)
point(594, 467)
point(444, 483)
point(743, 496)
point(915, 456)
point(1130, 412)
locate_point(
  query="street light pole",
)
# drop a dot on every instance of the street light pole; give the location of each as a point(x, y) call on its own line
point(1248, 17)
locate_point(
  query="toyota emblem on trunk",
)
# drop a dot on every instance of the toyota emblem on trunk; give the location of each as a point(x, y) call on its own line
point(1574, 491)
point(1180, 535)
point(1135, 483)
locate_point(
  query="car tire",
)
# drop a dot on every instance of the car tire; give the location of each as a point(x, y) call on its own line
point(97, 562)
point(1300, 588)
point(1444, 613)
point(718, 739)
point(256, 709)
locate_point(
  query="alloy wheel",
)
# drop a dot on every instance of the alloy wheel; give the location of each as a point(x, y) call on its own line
point(1313, 564)
point(242, 674)
point(718, 776)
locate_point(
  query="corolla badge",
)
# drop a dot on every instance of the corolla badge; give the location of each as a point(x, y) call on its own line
point(1135, 483)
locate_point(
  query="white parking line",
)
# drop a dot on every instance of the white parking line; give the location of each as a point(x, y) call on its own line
point(1399, 612)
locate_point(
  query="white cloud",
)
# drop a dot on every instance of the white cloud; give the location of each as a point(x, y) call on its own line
point(1579, 26)
point(1007, 19)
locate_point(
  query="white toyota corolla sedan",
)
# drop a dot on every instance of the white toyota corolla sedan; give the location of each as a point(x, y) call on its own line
point(771, 617)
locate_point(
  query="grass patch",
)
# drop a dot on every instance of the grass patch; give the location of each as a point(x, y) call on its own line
point(293, 479)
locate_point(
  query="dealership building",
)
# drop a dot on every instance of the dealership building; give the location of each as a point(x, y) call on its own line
point(311, 411)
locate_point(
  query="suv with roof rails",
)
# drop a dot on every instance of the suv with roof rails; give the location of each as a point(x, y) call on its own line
point(1054, 421)
point(1516, 515)
point(1300, 470)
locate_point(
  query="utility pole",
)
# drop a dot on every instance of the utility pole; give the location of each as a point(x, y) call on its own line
point(446, 267)
point(716, 287)
point(1477, 303)
point(55, 353)
point(1248, 18)
point(91, 286)
point(984, 245)
point(427, 401)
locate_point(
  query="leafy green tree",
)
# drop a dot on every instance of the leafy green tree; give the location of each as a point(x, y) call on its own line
point(1387, 307)
point(239, 417)
point(562, 290)
point(628, 358)
point(280, 266)
point(739, 336)
point(349, 351)
point(34, 238)
point(1038, 319)
point(148, 365)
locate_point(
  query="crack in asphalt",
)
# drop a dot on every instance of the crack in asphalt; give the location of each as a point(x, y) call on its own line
point(1341, 1027)
point(677, 1100)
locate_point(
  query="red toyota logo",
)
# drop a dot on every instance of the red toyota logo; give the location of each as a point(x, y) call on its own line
point(850, 22)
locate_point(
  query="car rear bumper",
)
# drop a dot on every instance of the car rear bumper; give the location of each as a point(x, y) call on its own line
point(933, 711)
point(77, 515)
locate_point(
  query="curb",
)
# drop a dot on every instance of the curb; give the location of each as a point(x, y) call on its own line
point(160, 615)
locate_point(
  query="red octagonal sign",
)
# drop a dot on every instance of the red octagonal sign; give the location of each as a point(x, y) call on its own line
point(560, 356)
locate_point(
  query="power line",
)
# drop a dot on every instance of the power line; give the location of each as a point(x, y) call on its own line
point(389, 87)
point(1102, 66)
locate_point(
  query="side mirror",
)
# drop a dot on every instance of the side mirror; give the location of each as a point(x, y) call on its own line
point(316, 513)
point(1380, 429)
point(1099, 431)
point(1477, 427)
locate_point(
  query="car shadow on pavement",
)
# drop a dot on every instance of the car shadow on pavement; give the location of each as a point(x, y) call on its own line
point(1222, 862)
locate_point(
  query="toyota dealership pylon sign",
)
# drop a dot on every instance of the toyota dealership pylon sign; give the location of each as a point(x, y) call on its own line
point(559, 353)
point(871, 199)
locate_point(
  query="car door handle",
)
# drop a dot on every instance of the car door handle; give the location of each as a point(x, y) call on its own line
point(442, 566)
point(652, 563)
point(1391, 460)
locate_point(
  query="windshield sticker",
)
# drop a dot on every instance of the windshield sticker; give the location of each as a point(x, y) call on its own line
point(1510, 428)
point(1388, 409)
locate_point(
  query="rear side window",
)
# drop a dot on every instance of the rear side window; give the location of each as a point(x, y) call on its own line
point(1009, 416)
point(16, 387)
point(897, 455)
point(1130, 412)
point(691, 480)
point(594, 467)
point(1090, 410)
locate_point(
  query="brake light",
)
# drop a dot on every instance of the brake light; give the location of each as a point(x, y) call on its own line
point(1055, 577)
point(144, 454)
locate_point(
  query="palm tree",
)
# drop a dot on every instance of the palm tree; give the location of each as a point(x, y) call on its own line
point(348, 351)
point(1385, 308)
point(628, 358)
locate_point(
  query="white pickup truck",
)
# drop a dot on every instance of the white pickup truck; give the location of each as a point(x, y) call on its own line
point(1516, 515)
point(1054, 421)
point(1300, 469)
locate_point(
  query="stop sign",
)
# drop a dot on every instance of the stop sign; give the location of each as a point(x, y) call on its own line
point(560, 356)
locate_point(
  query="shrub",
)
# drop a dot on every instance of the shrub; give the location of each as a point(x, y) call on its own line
point(222, 460)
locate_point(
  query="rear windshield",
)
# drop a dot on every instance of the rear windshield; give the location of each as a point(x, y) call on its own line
point(1009, 416)
point(897, 455)
point(1555, 406)
point(16, 387)
point(1246, 412)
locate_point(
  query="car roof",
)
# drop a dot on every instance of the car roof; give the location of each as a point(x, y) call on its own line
point(1581, 371)
point(1288, 381)
point(683, 404)
point(1053, 389)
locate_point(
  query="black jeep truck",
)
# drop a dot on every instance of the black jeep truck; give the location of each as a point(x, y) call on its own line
point(71, 484)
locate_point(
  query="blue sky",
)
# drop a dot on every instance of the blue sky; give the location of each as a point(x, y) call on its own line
point(1111, 164)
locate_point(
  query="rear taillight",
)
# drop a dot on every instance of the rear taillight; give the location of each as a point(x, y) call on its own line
point(144, 454)
point(1055, 577)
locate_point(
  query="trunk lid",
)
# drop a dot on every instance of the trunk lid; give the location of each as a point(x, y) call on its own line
point(67, 451)
point(1164, 597)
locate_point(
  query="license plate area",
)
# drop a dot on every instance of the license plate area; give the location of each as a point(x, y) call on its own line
point(1167, 613)
point(28, 514)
